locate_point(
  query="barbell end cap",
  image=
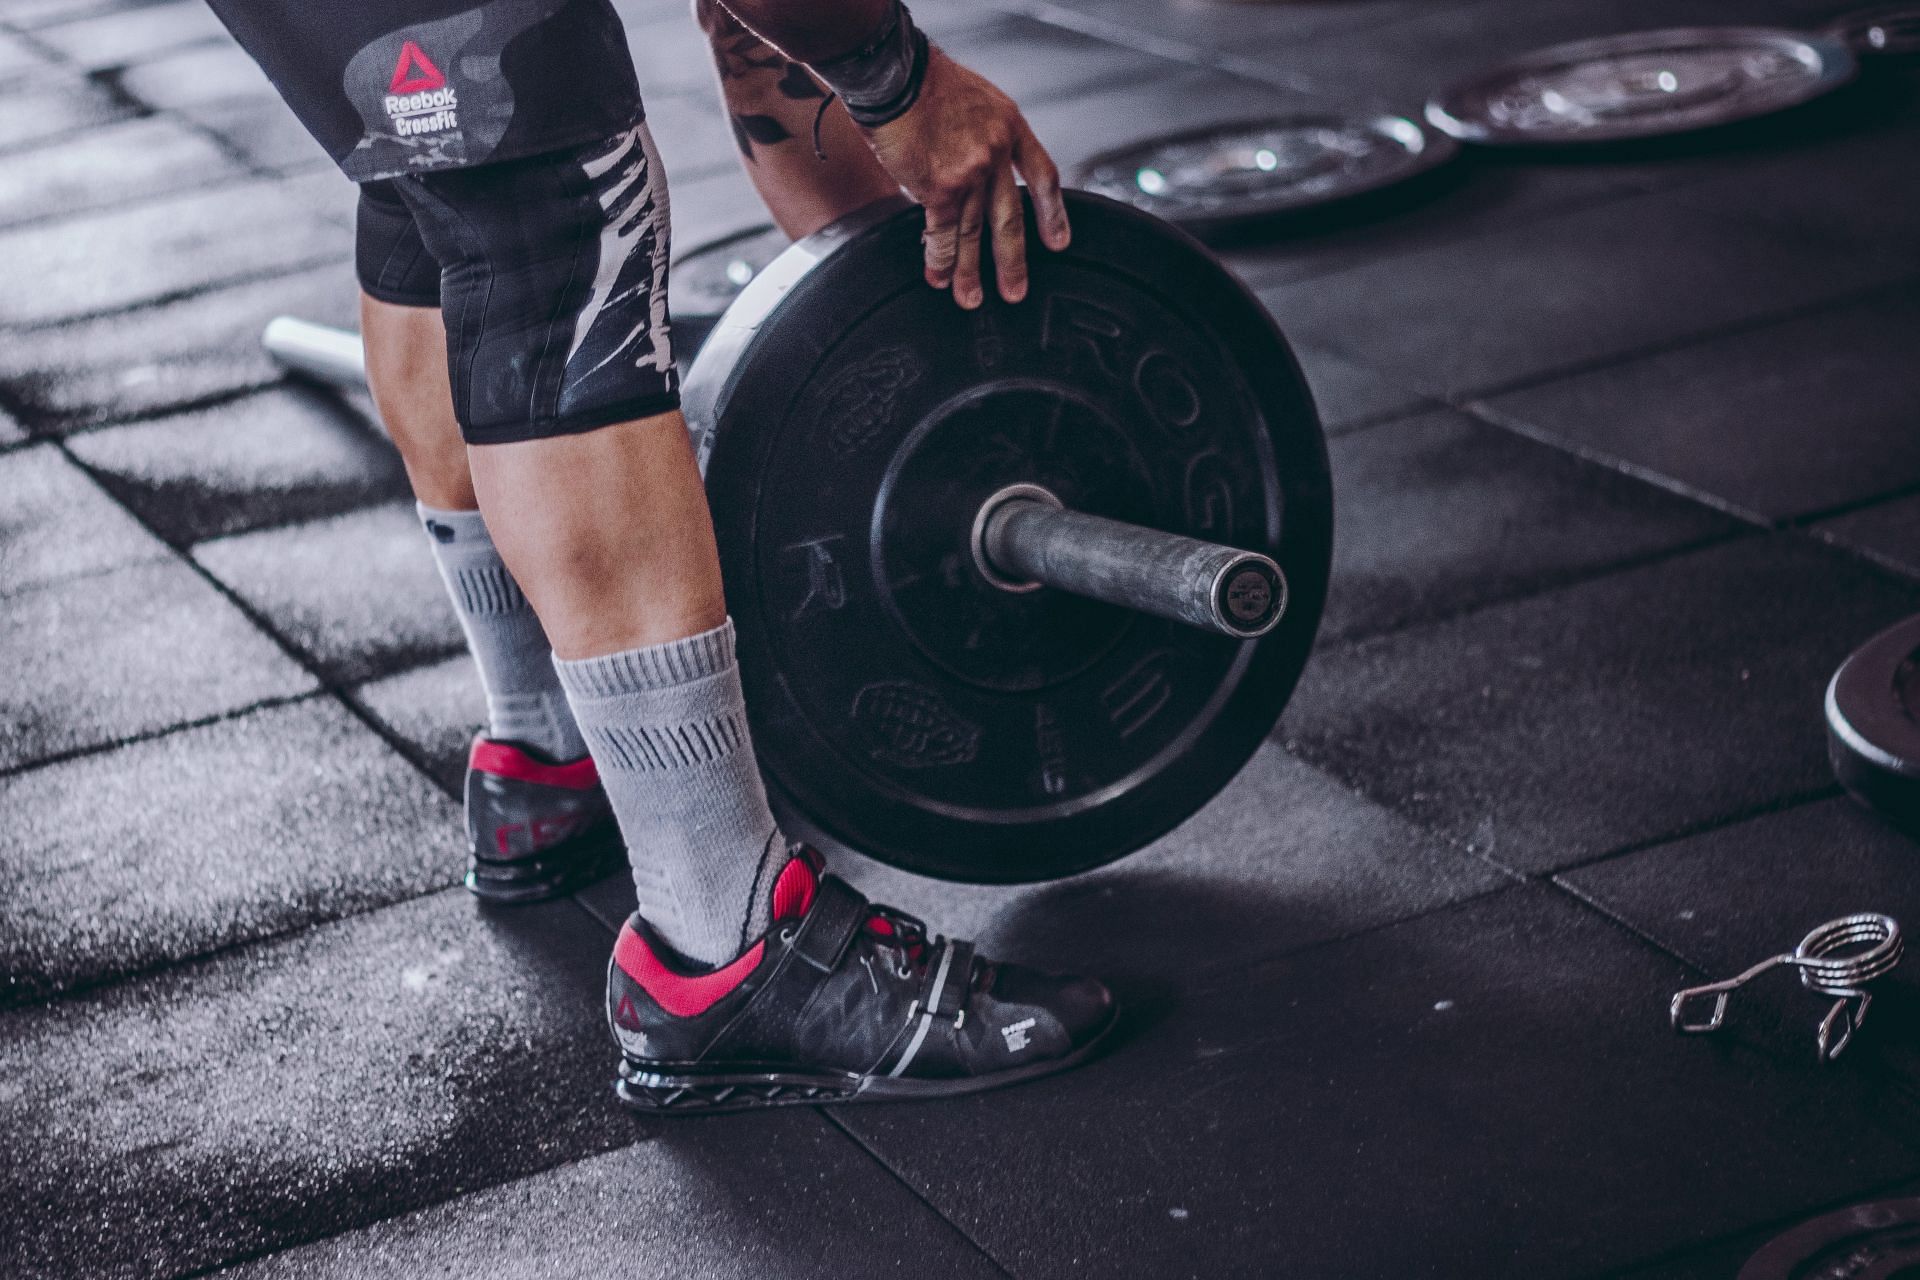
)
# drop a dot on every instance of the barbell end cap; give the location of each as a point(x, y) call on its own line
point(1249, 596)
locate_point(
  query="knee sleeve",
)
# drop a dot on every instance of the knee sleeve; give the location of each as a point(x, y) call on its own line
point(388, 255)
point(553, 287)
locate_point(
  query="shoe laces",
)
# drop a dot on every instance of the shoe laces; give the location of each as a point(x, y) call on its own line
point(897, 932)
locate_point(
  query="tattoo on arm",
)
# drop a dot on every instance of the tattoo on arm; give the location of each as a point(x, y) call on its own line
point(739, 55)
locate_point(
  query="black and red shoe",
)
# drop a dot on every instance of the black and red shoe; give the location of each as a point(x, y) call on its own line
point(535, 830)
point(841, 1001)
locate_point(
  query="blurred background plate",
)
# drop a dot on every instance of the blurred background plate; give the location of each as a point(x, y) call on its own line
point(1248, 172)
point(1644, 84)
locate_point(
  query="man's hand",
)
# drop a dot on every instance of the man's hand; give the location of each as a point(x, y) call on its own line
point(956, 151)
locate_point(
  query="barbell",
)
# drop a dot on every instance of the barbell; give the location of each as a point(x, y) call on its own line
point(1017, 590)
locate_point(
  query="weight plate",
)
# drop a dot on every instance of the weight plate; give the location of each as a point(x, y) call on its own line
point(1642, 85)
point(853, 420)
point(1233, 175)
point(1873, 723)
point(1892, 29)
point(704, 282)
point(1880, 1240)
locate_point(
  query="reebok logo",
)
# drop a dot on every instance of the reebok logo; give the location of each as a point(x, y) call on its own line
point(415, 71)
point(1016, 1034)
point(419, 100)
point(625, 1015)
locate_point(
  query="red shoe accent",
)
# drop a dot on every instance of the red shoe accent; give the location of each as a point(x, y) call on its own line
point(503, 760)
point(793, 890)
point(682, 995)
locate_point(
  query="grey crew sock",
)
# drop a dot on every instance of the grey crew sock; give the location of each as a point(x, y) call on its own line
point(667, 725)
point(525, 702)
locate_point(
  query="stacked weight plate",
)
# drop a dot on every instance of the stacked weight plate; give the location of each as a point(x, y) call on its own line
point(1646, 84)
point(704, 283)
point(1234, 176)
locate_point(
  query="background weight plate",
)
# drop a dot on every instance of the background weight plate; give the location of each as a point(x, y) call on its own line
point(1645, 84)
point(852, 419)
point(706, 280)
point(1881, 1239)
point(1230, 176)
point(1889, 29)
point(1873, 723)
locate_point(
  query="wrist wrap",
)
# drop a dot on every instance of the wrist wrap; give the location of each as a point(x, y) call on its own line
point(882, 78)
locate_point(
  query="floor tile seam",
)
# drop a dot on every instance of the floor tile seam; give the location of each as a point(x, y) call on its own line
point(1358, 256)
point(1091, 82)
point(640, 1138)
point(1208, 978)
point(1755, 322)
point(328, 686)
point(51, 52)
point(1884, 562)
point(10, 149)
point(94, 985)
point(1896, 574)
point(1193, 57)
point(46, 429)
point(181, 115)
point(1514, 424)
point(371, 499)
point(226, 950)
point(1418, 407)
point(115, 205)
point(185, 294)
point(1782, 803)
point(10, 772)
point(1532, 588)
point(138, 58)
point(1225, 975)
point(860, 1144)
point(1540, 589)
point(1853, 506)
point(352, 695)
point(145, 559)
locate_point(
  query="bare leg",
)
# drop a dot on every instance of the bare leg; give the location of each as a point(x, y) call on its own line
point(407, 373)
point(608, 532)
point(772, 104)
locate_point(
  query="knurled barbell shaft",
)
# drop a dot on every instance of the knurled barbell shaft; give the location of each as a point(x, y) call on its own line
point(1030, 540)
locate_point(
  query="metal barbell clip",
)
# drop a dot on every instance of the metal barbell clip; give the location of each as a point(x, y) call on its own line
point(1836, 959)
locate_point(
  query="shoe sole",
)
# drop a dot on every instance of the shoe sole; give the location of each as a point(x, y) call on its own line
point(531, 880)
point(671, 1089)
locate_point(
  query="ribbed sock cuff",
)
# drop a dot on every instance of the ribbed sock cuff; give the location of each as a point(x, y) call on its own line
point(651, 667)
point(453, 526)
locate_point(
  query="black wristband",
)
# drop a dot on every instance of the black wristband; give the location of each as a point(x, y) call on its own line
point(880, 80)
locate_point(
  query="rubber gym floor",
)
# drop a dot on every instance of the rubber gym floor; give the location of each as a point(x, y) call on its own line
point(1627, 460)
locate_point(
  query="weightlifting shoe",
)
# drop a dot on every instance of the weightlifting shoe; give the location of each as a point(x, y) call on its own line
point(841, 1001)
point(535, 830)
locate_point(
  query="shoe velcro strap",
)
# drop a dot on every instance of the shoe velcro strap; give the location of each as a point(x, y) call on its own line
point(952, 996)
point(943, 992)
point(837, 913)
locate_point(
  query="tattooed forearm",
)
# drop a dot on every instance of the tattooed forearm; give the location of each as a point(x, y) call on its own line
point(757, 81)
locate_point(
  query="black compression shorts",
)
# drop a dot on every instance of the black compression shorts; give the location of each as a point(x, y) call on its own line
point(413, 86)
point(551, 273)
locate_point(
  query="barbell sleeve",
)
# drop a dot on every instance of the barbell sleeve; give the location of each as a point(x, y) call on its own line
point(1028, 540)
point(334, 356)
